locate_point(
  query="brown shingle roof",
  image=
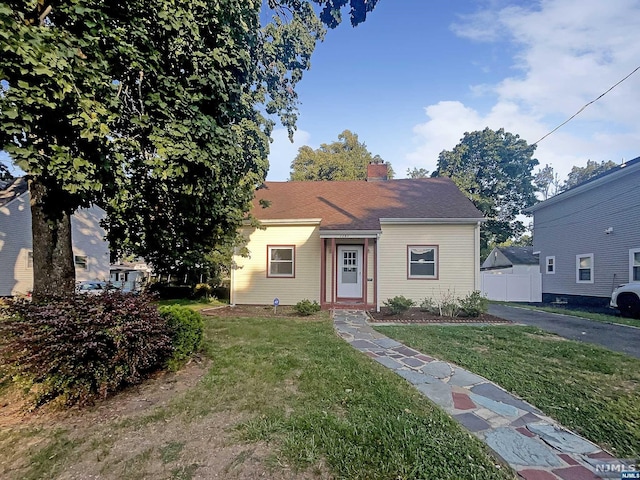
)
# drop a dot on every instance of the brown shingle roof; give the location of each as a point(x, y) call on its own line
point(520, 255)
point(359, 205)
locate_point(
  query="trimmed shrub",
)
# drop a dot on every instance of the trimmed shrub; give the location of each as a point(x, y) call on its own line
point(428, 305)
point(474, 304)
point(186, 329)
point(399, 304)
point(202, 290)
point(75, 350)
point(448, 305)
point(306, 307)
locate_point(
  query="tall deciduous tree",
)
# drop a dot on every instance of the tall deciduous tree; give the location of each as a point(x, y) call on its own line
point(346, 159)
point(417, 173)
point(153, 111)
point(577, 175)
point(493, 168)
point(547, 182)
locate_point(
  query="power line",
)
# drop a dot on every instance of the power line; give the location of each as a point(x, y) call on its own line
point(585, 106)
point(552, 222)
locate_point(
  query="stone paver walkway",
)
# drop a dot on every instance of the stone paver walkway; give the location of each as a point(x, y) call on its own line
point(534, 445)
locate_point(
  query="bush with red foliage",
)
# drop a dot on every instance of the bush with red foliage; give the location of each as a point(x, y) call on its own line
point(78, 349)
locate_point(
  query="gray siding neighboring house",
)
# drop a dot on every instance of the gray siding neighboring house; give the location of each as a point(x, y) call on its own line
point(588, 238)
point(91, 251)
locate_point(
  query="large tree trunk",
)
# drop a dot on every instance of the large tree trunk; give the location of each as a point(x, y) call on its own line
point(54, 273)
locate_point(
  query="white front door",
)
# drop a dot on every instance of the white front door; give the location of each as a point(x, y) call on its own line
point(350, 271)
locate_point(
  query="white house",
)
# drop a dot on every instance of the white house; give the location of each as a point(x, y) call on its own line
point(512, 274)
point(90, 249)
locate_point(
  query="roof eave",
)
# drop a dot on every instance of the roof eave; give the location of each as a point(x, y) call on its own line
point(431, 221)
point(349, 233)
point(14, 199)
point(286, 221)
point(584, 187)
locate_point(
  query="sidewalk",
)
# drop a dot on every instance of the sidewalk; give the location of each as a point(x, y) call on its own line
point(533, 444)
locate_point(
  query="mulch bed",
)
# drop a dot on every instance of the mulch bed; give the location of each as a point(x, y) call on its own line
point(257, 311)
point(414, 315)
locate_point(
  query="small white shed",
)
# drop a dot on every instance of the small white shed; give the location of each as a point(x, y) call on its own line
point(512, 274)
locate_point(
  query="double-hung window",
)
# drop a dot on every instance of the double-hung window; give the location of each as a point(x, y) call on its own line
point(551, 265)
point(584, 268)
point(422, 261)
point(281, 261)
point(634, 265)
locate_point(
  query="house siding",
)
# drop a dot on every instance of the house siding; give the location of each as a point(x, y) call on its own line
point(16, 277)
point(250, 284)
point(576, 226)
point(15, 244)
point(496, 259)
point(458, 265)
point(88, 239)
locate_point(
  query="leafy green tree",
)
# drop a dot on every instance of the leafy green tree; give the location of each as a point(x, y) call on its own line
point(331, 13)
point(547, 182)
point(346, 159)
point(577, 175)
point(417, 173)
point(154, 112)
point(493, 168)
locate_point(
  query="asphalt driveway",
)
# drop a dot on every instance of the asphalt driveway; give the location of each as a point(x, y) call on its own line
point(614, 337)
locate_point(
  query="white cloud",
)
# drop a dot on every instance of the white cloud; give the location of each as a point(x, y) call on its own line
point(282, 152)
point(567, 53)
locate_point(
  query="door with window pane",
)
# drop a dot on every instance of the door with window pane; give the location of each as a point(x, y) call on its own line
point(350, 271)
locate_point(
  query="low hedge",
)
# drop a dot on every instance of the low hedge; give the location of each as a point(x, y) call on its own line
point(186, 329)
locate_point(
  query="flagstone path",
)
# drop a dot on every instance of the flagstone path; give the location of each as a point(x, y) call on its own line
point(534, 445)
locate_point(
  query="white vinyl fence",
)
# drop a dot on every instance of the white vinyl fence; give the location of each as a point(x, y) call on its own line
point(511, 287)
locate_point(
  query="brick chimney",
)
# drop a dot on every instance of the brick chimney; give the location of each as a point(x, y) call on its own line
point(377, 172)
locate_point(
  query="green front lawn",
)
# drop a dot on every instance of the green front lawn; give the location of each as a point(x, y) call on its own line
point(589, 389)
point(197, 305)
point(290, 386)
point(321, 401)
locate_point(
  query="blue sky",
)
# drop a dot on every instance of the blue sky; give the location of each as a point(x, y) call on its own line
point(418, 74)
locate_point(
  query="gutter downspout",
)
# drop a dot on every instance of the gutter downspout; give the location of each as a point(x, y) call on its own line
point(476, 248)
point(232, 286)
point(377, 271)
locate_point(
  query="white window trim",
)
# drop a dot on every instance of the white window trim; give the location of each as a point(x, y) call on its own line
point(293, 261)
point(553, 264)
point(632, 251)
point(435, 263)
point(592, 275)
